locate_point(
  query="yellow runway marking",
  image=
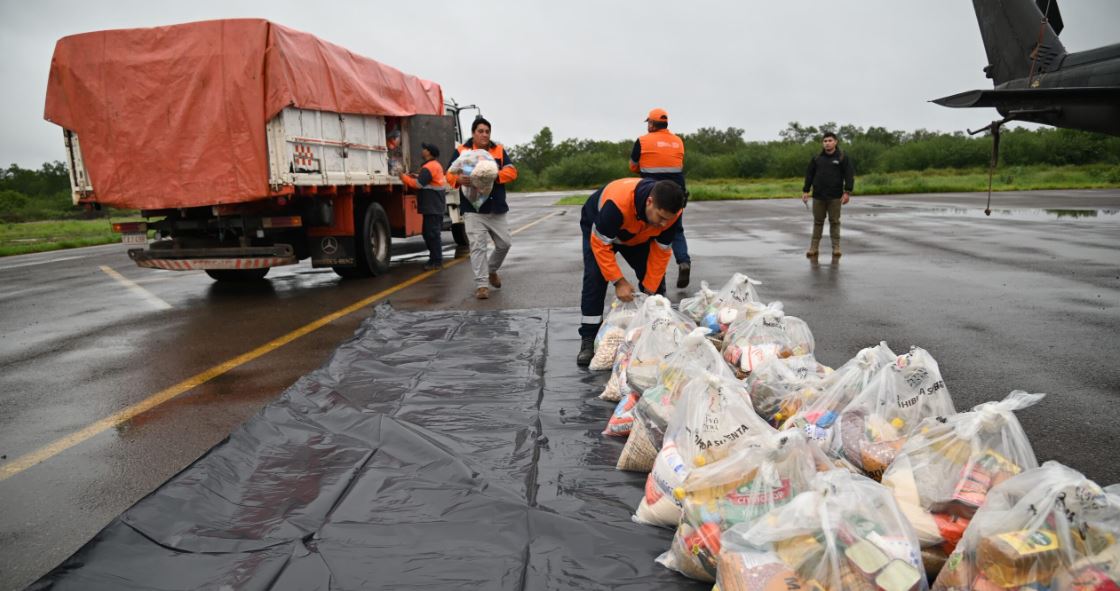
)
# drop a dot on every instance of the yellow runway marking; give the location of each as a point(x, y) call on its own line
point(140, 292)
point(58, 446)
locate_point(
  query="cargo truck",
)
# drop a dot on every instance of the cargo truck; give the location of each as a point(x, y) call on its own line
point(246, 145)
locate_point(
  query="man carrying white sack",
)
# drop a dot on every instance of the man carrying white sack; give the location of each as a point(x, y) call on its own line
point(488, 222)
point(637, 218)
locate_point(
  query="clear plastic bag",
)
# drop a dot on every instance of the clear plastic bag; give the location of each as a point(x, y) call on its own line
point(768, 334)
point(656, 332)
point(781, 385)
point(695, 307)
point(482, 169)
point(845, 533)
point(817, 417)
point(875, 424)
point(943, 473)
point(762, 473)
point(661, 331)
point(712, 416)
point(695, 356)
point(612, 332)
point(1047, 528)
point(737, 300)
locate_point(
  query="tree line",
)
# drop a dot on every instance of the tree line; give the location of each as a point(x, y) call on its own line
point(712, 153)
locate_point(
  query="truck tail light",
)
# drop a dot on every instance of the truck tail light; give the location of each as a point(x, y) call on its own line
point(130, 227)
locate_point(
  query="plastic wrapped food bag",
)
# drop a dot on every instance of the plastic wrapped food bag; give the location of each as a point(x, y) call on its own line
point(662, 329)
point(658, 335)
point(817, 417)
point(781, 385)
point(736, 300)
point(762, 473)
point(875, 424)
point(844, 534)
point(613, 331)
point(480, 166)
point(693, 357)
point(1047, 528)
point(695, 307)
point(943, 473)
point(713, 415)
point(767, 335)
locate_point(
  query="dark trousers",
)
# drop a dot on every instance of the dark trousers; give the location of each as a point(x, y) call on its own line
point(592, 299)
point(433, 225)
point(680, 246)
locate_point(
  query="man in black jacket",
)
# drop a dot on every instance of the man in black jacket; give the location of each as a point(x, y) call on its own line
point(832, 179)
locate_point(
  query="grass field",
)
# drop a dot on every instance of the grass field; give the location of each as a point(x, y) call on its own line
point(31, 237)
point(1016, 178)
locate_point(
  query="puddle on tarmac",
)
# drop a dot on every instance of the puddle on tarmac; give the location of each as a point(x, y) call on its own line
point(1015, 214)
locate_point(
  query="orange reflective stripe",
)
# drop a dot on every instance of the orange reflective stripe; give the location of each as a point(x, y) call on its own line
point(662, 151)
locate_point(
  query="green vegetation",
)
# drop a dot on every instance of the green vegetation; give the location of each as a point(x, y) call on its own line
point(877, 153)
point(27, 237)
point(1015, 178)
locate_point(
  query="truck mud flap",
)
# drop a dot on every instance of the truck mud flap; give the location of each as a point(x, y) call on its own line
point(332, 251)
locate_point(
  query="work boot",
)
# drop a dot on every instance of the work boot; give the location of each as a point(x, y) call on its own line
point(495, 280)
point(586, 352)
point(482, 293)
point(683, 270)
point(836, 248)
point(814, 249)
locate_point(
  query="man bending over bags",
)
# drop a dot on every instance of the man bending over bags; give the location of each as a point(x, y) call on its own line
point(637, 218)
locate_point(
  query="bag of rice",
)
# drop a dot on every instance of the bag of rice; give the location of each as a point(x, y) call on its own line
point(613, 331)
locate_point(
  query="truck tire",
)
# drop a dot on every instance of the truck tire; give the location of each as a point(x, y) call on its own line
point(459, 233)
point(374, 242)
point(237, 275)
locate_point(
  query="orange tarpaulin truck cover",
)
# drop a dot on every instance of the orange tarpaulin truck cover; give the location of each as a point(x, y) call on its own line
point(175, 116)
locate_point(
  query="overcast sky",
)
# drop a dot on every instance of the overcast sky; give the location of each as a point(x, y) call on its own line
point(592, 69)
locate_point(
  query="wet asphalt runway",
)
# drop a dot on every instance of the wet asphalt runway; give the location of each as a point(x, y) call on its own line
point(1026, 299)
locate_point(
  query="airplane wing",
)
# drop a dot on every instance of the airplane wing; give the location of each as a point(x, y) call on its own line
point(1026, 98)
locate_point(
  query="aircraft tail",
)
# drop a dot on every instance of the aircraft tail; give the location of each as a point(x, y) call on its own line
point(1015, 37)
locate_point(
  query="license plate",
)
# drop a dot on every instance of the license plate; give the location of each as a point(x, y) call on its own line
point(134, 238)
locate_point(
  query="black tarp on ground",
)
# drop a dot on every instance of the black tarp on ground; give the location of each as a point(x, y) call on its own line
point(434, 450)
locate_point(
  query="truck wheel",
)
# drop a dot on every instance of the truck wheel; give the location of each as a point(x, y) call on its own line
point(459, 233)
point(373, 241)
point(237, 275)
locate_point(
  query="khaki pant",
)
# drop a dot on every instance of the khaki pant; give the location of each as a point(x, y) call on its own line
point(831, 209)
point(481, 228)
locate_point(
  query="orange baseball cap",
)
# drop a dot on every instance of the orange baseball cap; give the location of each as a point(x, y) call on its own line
point(658, 115)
